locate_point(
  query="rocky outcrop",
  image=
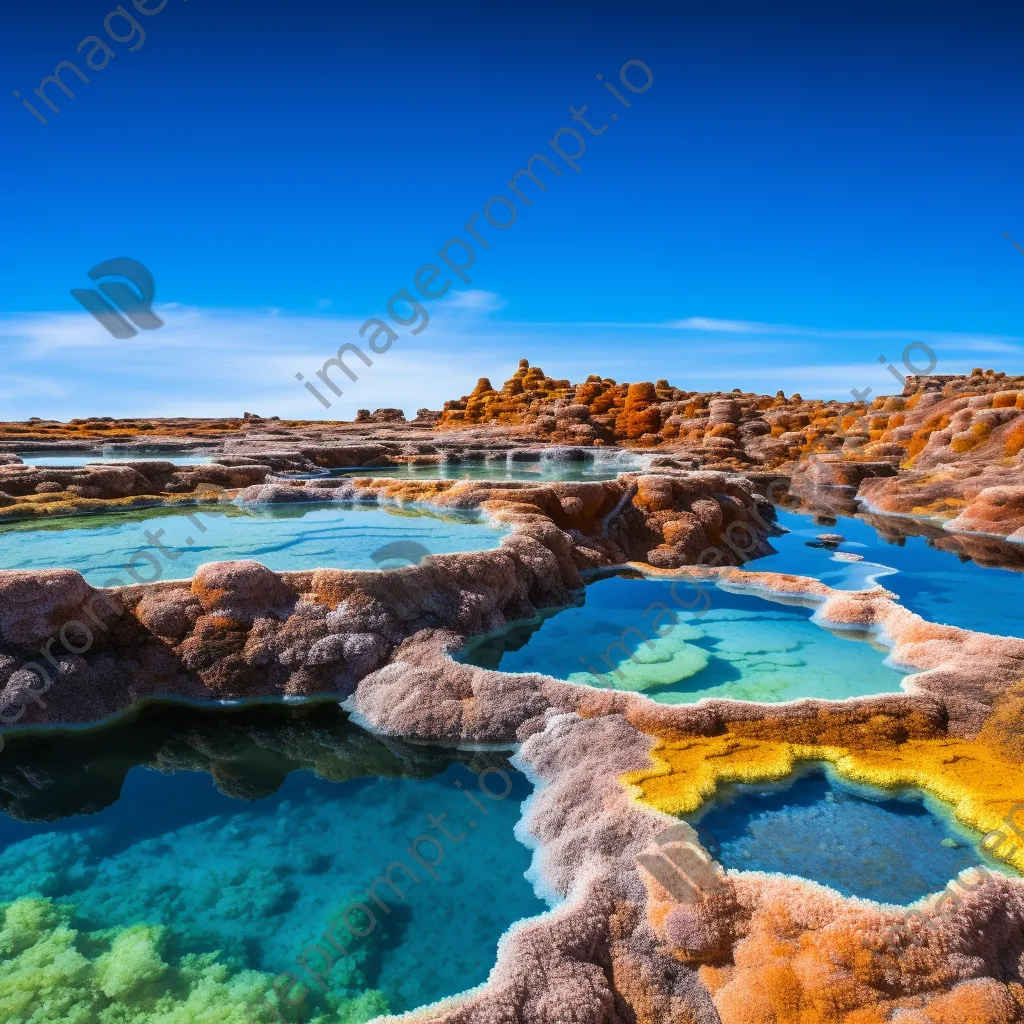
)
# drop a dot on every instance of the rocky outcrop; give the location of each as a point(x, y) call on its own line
point(238, 630)
point(936, 422)
point(984, 501)
point(48, 491)
point(994, 510)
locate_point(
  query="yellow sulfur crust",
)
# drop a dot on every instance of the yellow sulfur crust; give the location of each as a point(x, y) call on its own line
point(979, 788)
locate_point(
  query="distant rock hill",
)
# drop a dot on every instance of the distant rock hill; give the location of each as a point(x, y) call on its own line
point(936, 419)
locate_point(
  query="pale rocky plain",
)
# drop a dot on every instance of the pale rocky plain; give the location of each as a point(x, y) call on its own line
point(613, 769)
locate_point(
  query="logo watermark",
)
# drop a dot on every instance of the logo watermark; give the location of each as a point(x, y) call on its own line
point(136, 303)
point(400, 553)
point(681, 866)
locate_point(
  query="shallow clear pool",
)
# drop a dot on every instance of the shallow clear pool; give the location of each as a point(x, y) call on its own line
point(731, 645)
point(599, 466)
point(179, 874)
point(282, 537)
point(35, 459)
point(936, 584)
point(859, 841)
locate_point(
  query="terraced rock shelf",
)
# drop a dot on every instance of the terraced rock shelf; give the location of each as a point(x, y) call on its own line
point(680, 707)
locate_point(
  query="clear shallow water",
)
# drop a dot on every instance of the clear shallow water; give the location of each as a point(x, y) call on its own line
point(599, 468)
point(87, 457)
point(741, 647)
point(260, 879)
point(282, 537)
point(861, 842)
point(934, 583)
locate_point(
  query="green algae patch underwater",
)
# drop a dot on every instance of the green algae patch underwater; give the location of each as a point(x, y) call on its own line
point(172, 900)
point(53, 973)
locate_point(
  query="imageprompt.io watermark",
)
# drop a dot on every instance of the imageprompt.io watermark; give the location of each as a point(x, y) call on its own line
point(136, 303)
point(121, 27)
point(458, 253)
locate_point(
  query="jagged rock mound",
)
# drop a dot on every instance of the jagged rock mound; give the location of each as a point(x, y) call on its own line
point(380, 416)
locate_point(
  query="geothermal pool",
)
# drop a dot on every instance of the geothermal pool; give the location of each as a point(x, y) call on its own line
point(282, 537)
point(936, 584)
point(178, 886)
point(597, 467)
point(35, 459)
point(741, 647)
point(880, 846)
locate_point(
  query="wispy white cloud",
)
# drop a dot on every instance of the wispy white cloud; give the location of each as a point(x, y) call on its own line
point(700, 325)
point(703, 323)
point(18, 386)
point(223, 362)
point(474, 300)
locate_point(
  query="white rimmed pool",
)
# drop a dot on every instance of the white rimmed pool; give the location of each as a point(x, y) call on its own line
point(631, 633)
point(894, 847)
point(282, 537)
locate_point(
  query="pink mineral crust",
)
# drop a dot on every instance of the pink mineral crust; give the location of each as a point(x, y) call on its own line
point(787, 939)
point(595, 959)
point(34, 605)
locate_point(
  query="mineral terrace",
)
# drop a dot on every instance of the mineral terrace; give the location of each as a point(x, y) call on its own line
point(613, 768)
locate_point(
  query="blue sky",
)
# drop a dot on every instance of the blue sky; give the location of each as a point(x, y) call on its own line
point(803, 188)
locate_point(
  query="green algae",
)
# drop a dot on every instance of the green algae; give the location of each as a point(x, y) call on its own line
point(248, 843)
point(54, 973)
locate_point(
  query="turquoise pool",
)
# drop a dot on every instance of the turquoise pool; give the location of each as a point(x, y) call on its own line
point(282, 537)
point(731, 645)
point(176, 886)
point(597, 465)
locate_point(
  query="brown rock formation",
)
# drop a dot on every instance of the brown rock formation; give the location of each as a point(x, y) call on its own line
point(932, 450)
